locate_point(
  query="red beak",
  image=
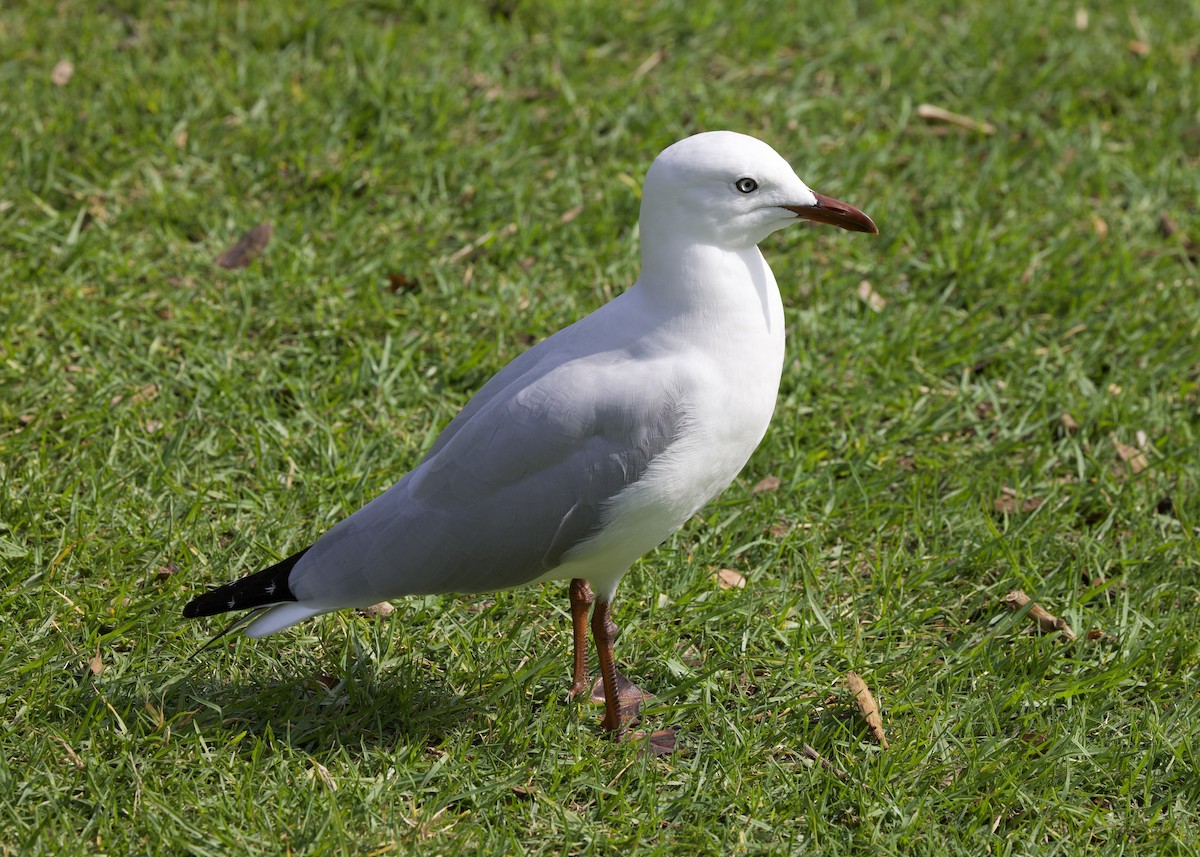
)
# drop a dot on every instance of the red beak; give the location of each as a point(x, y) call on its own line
point(835, 213)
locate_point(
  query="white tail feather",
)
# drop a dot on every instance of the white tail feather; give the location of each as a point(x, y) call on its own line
point(282, 616)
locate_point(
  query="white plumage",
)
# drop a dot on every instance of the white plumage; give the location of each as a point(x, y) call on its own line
point(593, 446)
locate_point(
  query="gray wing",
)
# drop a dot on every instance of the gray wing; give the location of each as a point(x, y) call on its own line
point(513, 485)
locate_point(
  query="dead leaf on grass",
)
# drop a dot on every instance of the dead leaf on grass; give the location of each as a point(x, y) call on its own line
point(381, 610)
point(766, 485)
point(727, 578)
point(1046, 622)
point(402, 283)
point(321, 773)
point(867, 705)
point(248, 247)
point(1133, 457)
point(870, 297)
point(63, 71)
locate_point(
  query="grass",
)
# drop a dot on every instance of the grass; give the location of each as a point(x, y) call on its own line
point(166, 424)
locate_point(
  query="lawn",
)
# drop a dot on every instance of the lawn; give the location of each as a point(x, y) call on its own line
point(1001, 391)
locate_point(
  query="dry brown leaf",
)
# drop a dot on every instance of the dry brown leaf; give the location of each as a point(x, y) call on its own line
point(1068, 422)
point(727, 578)
point(144, 393)
point(1133, 457)
point(402, 283)
point(1081, 18)
point(247, 248)
point(96, 664)
point(930, 113)
point(871, 297)
point(766, 485)
point(1099, 226)
point(322, 773)
point(381, 610)
point(1005, 505)
point(63, 71)
point(71, 756)
point(868, 707)
point(1046, 622)
point(570, 214)
point(1139, 47)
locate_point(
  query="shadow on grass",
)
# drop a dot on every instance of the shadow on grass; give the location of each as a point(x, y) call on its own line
point(314, 710)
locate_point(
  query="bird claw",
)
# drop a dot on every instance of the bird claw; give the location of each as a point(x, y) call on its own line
point(580, 687)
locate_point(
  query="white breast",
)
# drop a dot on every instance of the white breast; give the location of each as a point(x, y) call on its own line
point(728, 357)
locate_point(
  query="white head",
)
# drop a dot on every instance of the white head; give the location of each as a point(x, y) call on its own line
point(731, 191)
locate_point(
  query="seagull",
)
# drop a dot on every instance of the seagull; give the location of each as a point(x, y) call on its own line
point(588, 450)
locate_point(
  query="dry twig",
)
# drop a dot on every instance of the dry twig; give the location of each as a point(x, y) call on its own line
point(1017, 599)
point(825, 763)
point(930, 113)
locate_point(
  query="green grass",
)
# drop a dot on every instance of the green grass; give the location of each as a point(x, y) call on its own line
point(166, 424)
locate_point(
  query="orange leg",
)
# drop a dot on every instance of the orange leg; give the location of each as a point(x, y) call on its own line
point(622, 698)
point(581, 602)
point(604, 630)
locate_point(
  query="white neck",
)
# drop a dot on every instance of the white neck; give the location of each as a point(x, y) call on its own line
point(731, 287)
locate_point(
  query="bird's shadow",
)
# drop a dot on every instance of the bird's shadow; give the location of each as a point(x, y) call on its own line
point(307, 709)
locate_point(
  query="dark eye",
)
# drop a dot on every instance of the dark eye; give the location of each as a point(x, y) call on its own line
point(746, 185)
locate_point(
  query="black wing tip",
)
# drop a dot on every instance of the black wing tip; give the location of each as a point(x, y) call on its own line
point(269, 586)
